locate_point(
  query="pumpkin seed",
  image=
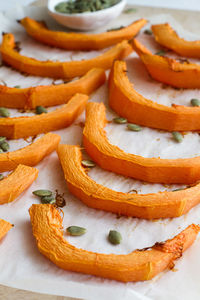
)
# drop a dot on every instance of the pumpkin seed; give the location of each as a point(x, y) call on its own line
point(116, 28)
point(2, 139)
point(129, 10)
point(17, 86)
point(134, 127)
point(4, 146)
point(195, 102)
point(161, 53)
point(76, 230)
point(60, 200)
point(4, 112)
point(42, 193)
point(177, 136)
point(120, 120)
point(114, 237)
point(148, 31)
point(1, 151)
point(1, 176)
point(88, 163)
point(48, 199)
point(40, 110)
point(176, 190)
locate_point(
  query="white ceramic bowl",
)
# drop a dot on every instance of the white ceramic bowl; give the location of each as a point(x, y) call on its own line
point(85, 21)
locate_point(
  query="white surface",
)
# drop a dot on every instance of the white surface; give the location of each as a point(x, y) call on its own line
point(21, 264)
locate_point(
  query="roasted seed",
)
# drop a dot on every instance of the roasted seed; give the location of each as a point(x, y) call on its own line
point(177, 136)
point(148, 31)
point(195, 102)
point(114, 237)
point(4, 112)
point(88, 163)
point(120, 120)
point(1, 176)
point(48, 199)
point(4, 146)
point(40, 110)
point(134, 127)
point(76, 230)
point(42, 193)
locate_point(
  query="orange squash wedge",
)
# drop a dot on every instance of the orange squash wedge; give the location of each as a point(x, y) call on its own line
point(138, 265)
point(69, 69)
point(112, 158)
point(30, 155)
point(51, 95)
point(79, 41)
point(126, 102)
point(16, 183)
point(168, 70)
point(167, 37)
point(147, 206)
point(4, 228)
point(20, 127)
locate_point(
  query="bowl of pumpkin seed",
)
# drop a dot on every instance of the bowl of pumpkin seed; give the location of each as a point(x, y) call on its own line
point(85, 15)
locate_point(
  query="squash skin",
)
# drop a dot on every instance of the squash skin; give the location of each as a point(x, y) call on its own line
point(16, 183)
point(66, 70)
point(30, 155)
point(4, 228)
point(147, 206)
point(167, 37)
point(136, 266)
point(51, 95)
point(126, 102)
point(20, 127)
point(79, 41)
point(168, 70)
point(112, 158)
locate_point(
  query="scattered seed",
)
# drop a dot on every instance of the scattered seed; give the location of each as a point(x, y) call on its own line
point(161, 53)
point(129, 10)
point(17, 86)
point(176, 190)
point(88, 163)
point(133, 191)
point(2, 139)
point(195, 102)
point(1, 176)
point(40, 110)
point(76, 230)
point(120, 120)
point(114, 237)
point(60, 200)
point(177, 136)
point(148, 31)
point(4, 146)
point(42, 193)
point(4, 112)
point(48, 199)
point(134, 127)
point(116, 28)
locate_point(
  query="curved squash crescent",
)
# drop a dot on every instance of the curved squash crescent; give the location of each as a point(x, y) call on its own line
point(16, 183)
point(112, 158)
point(19, 127)
point(30, 155)
point(168, 70)
point(4, 228)
point(50, 95)
point(126, 102)
point(167, 37)
point(58, 69)
point(135, 266)
point(79, 41)
point(147, 206)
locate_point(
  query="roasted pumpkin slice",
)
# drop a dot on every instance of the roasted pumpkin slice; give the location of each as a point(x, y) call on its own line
point(167, 37)
point(4, 228)
point(148, 206)
point(30, 155)
point(80, 41)
point(126, 102)
point(138, 265)
point(112, 158)
point(16, 183)
point(51, 95)
point(54, 69)
point(19, 127)
point(167, 70)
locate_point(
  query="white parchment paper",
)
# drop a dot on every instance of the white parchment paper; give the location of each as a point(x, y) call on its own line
point(21, 264)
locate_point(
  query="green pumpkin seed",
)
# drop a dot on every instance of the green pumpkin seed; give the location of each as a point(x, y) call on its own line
point(176, 190)
point(88, 163)
point(161, 53)
point(1, 151)
point(134, 127)
point(195, 102)
point(4, 146)
point(120, 120)
point(129, 10)
point(116, 28)
point(2, 139)
point(114, 237)
point(40, 110)
point(1, 176)
point(42, 193)
point(148, 31)
point(177, 136)
point(76, 230)
point(17, 86)
point(48, 199)
point(4, 112)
